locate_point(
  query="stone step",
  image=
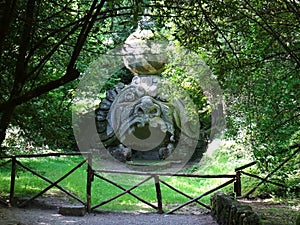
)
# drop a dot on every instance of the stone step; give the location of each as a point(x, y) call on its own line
point(72, 210)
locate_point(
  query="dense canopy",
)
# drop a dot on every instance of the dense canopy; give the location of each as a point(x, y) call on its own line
point(252, 47)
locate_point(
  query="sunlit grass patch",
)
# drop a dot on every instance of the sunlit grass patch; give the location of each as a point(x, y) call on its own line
point(54, 168)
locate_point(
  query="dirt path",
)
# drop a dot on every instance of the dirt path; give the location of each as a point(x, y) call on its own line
point(16, 216)
point(44, 211)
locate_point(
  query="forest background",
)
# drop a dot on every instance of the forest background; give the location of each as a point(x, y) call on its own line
point(252, 47)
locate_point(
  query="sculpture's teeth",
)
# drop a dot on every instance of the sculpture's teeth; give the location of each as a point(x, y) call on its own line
point(172, 139)
point(153, 124)
point(131, 129)
point(170, 147)
point(122, 138)
point(163, 128)
point(158, 123)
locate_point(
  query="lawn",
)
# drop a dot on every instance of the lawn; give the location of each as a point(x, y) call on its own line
point(221, 162)
point(53, 168)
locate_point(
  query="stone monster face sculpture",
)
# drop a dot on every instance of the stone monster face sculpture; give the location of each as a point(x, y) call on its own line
point(144, 120)
point(147, 119)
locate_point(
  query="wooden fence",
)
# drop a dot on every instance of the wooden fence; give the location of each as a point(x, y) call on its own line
point(240, 171)
point(92, 173)
point(15, 161)
point(156, 176)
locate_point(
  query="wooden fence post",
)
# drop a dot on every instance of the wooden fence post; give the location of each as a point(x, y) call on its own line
point(158, 194)
point(90, 177)
point(12, 180)
point(238, 184)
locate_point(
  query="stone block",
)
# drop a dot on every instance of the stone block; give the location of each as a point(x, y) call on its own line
point(71, 210)
point(228, 211)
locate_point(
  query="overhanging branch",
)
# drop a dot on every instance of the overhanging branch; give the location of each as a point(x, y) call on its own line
point(70, 76)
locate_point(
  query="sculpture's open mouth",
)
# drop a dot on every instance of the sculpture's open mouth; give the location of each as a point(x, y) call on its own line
point(142, 133)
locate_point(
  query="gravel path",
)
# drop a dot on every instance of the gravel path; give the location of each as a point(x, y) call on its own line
point(44, 211)
point(17, 216)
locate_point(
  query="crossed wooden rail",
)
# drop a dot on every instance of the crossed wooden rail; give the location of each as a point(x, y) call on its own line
point(15, 162)
point(91, 174)
point(156, 176)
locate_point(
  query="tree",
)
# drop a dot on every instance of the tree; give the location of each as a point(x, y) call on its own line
point(253, 48)
point(47, 44)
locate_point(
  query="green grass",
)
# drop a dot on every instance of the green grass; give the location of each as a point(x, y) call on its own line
point(55, 167)
point(278, 211)
point(223, 161)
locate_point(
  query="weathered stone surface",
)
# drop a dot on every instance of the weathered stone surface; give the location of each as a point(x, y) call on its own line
point(143, 55)
point(149, 119)
point(146, 120)
point(227, 211)
point(71, 210)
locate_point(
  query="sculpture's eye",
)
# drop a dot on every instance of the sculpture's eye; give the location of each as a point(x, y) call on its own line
point(163, 97)
point(129, 97)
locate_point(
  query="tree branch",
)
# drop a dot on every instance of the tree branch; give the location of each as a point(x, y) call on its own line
point(71, 73)
point(53, 50)
point(215, 26)
point(20, 76)
point(54, 32)
point(273, 33)
point(8, 8)
point(69, 76)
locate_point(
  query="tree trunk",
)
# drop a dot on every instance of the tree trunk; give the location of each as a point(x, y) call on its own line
point(7, 10)
point(20, 77)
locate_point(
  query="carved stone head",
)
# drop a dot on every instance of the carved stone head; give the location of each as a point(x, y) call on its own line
point(145, 120)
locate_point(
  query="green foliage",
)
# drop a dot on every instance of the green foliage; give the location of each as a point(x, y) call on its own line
point(46, 46)
point(253, 48)
point(122, 75)
point(190, 86)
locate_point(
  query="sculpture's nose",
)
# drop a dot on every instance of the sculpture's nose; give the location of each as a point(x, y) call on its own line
point(147, 107)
